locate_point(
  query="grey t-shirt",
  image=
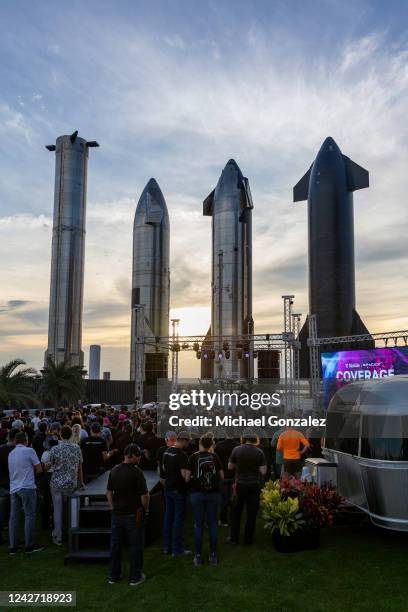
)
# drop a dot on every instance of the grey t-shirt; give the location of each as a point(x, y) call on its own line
point(248, 459)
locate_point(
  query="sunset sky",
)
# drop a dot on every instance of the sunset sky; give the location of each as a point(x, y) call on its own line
point(172, 90)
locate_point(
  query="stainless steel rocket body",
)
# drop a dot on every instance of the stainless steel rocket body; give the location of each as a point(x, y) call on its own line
point(151, 277)
point(230, 206)
point(68, 248)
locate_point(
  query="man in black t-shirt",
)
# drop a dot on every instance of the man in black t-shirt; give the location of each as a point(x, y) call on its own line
point(174, 471)
point(249, 464)
point(94, 453)
point(170, 439)
point(204, 474)
point(39, 438)
point(129, 500)
point(223, 450)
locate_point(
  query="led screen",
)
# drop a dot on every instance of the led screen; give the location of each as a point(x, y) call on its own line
point(349, 366)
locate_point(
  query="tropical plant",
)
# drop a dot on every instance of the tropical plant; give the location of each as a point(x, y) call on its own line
point(289, 504)
point(280, 512)
point(62, 383)
point(16, 384)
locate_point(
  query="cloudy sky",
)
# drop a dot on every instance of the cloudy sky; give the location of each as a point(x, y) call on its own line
point(173, 89)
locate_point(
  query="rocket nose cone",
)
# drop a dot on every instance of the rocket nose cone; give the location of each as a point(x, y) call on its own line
point(153, 190)
point(152, 184)
point(233, 164)
point(330, 145)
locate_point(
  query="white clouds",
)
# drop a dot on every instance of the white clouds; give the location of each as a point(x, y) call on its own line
point(24, 221)
point(13, 123)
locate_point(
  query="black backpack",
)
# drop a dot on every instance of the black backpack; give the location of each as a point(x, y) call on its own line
point(206, 473)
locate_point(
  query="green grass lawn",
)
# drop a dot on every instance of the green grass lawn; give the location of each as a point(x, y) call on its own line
point(357, 569)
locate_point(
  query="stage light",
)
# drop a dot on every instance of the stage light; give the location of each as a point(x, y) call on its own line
point(225, 346)
point(227, 354)
point(196, 346)
point(198, 354)
point(185, 346)
point(205, 355)
point(386, 341)
point(220, 354)
point(255, 354)
point(239, 354)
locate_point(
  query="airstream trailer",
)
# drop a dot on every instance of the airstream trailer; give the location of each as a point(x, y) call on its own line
point(367, 436)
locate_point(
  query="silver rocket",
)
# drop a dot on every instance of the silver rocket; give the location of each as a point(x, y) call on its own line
point(151, 278)
point(68, 247)
point(230, 206)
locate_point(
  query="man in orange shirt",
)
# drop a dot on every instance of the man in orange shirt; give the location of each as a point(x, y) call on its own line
point(293, 445)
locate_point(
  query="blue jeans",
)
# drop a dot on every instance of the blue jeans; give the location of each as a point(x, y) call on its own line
point(205, 504)
point(174, 521)
point(26, 500)
point(122, 525)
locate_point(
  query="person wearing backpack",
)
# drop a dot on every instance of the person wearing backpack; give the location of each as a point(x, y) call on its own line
point(204, 473)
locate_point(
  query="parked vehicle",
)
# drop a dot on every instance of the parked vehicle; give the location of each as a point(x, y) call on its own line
point(367, 436)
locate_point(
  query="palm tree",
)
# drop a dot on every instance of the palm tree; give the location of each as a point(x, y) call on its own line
point(16, 385)
point(62, 383)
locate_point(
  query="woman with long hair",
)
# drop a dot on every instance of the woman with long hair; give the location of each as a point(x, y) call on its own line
point(76, 434)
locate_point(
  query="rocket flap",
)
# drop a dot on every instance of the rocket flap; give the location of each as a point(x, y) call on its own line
point(245, 196)
point(208, 204)
point(154, 212)
point(357, 177)
point(301, 190)
point(358, 327)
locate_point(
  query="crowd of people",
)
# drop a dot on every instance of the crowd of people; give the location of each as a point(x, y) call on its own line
point(44, 459)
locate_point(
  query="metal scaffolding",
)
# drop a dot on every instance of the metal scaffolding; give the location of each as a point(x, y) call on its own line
point(314, 363)
point(287, 326)
point(296, 318)
point(174, 355)
point(139, 353)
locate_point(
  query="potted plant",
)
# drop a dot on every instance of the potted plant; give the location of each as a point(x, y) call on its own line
point(294, 513)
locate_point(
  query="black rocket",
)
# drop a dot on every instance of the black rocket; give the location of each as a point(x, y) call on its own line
point(328, 187)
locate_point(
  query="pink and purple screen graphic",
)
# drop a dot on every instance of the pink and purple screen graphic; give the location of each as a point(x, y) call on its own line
point(344, 367)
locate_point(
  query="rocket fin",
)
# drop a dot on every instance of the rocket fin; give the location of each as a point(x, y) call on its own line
point(357, 327)
point(301, 190)
point(208, 204)
point(357, 177)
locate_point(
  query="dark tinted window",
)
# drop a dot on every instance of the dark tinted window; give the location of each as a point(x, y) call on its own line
point(342, 432)
point(385, 437)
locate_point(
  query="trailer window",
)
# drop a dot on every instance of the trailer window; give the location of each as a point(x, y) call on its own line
point(385, 437)
point(342, 432)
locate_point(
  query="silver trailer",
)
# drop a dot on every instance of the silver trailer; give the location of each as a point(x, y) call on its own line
point(367, 436)
point(68, 250)
point(230, 206)
point(151, 280)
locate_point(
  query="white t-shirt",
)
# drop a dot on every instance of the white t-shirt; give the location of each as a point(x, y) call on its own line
point(35, 420)
point(21, 462)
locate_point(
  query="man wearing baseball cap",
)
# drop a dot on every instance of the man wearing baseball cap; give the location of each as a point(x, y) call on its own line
point(174, 471)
